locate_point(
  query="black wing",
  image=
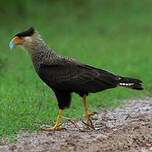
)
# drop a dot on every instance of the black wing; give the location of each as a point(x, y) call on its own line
point(74, 77)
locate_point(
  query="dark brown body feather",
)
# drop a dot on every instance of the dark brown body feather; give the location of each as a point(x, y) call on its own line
point(77, 78)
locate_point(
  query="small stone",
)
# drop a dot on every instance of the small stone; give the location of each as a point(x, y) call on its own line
point(13, 147)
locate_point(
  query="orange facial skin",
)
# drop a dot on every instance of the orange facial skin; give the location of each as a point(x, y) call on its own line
point(17, 40)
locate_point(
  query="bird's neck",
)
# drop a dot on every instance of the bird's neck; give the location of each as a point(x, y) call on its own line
point(40, 53)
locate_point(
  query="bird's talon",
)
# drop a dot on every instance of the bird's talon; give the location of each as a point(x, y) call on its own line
point(88, 117)
point(55, 128)
point(91, 114)
point(89, 122)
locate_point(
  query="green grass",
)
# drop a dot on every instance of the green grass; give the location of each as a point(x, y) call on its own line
point(112, 35)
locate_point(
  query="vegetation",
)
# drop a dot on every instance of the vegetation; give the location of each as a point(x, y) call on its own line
point(112, 35)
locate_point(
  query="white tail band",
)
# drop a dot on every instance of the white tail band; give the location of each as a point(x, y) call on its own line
point(126, 84)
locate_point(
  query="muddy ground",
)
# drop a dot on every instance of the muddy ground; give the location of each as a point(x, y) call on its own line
point(125, 129)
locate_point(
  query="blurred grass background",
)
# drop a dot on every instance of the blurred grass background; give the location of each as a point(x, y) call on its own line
point(114, 35)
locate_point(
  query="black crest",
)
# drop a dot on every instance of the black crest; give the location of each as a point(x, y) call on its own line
point(28, 32)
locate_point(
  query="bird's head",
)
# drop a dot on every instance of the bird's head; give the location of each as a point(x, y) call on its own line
point(24, 39)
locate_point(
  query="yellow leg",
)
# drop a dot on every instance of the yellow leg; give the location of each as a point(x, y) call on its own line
point(86, 111)
point(57, 125)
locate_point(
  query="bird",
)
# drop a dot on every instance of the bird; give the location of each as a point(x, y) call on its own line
point(66, 75)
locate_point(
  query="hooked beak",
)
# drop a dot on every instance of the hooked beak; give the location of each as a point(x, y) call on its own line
point(11, 44)
point(15, 41)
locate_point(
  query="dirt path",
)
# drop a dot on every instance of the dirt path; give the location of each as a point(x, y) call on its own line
point(127, 129)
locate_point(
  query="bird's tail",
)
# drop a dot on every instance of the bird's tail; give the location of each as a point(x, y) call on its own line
point(130, 83)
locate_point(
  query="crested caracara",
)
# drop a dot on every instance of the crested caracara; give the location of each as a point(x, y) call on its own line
point(65, 75)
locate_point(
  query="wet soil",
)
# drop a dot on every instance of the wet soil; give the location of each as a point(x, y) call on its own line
point(125, 129)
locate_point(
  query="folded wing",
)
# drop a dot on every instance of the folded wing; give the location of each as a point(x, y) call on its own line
point(74, 77)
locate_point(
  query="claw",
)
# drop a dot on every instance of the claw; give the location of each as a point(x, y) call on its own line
point(89, 122)
point(55, 128)
point(91, 114)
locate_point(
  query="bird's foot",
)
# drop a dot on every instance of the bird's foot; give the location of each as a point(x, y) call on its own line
point(55, 128)
point(91, 114)
point(88, 120)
